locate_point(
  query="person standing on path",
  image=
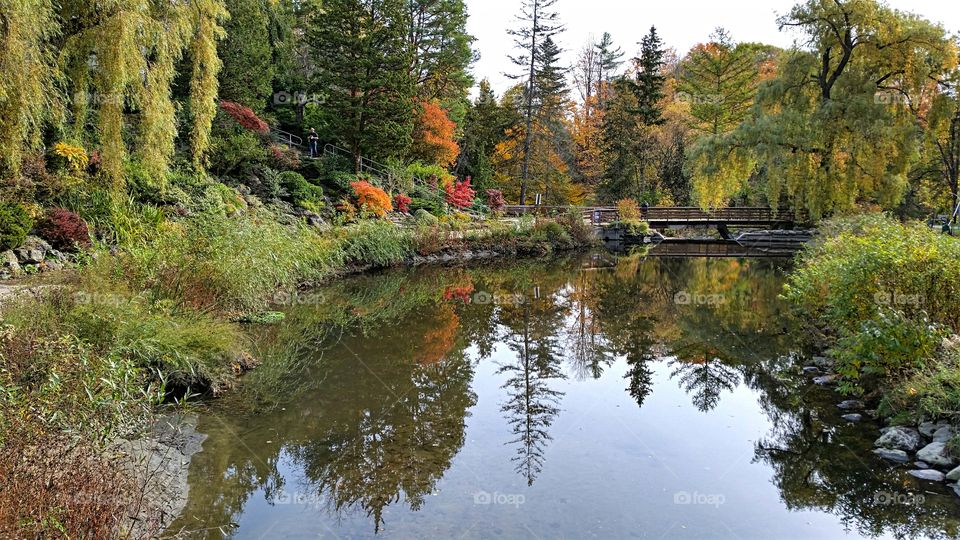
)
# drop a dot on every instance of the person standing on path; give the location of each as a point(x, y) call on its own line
point(314, 143)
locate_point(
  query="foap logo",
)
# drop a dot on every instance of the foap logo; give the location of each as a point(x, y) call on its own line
point(715, 500)
point(898, 299)
point(686, 298)
point(484, 298)
point(298, 299)
point(97, 299)
point(484, 498)
point(892, 498)
point(890, 98)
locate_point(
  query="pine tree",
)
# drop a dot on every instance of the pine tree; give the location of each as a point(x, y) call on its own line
point(538, 24)
point(363, 63)
point(609, 60)
point(649, 84)
point(486, 122)
point(441, 49)
point(247, 74)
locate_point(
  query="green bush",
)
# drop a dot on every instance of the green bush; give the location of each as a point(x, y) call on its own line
point(302, 193)
point(552, 233)
point(15, 224)
point(883, 291)
point(930, 394)
point(425, 218)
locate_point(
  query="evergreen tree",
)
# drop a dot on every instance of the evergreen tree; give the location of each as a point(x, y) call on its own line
point(247, 55)
point(609, 60)
point(363, 63)
point(484, 129)
point(538, 24)
point(441, 49)
point(650, 80)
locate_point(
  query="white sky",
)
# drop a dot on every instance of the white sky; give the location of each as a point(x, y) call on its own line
point(681, 24)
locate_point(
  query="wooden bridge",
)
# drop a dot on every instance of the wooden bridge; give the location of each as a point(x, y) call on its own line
point(662, 217)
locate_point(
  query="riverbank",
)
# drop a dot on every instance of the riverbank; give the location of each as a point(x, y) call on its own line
point(159, 320)
point(882, 300)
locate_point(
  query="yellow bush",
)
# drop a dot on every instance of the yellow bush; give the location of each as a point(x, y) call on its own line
point(75, 156)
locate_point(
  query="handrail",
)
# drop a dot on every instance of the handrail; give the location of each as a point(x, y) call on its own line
point(287, 138)
point(367, 166)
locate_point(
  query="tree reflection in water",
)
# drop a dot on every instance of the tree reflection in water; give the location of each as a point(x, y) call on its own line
point(380, 374)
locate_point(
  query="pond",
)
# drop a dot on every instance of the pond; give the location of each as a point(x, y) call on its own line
point(600, 396)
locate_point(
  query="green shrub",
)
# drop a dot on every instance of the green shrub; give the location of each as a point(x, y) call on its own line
point(635, 227)
point(890, 346)
point(552, 233)
point(302, 193)
point(15, 224)
point(930, 394)
point(425, 218)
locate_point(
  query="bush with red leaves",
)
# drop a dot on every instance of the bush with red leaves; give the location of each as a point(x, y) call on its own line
point(245, 117)
point(401, 203)
point(460, 194)
point(64, 230)
point(495, 200)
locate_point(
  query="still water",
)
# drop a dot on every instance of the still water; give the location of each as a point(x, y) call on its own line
point(590, 397)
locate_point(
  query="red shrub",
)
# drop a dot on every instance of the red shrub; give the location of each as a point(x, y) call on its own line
point(245, 117)
point(401, 203)
point(460, 194)
point(64, 230)
point(285, 158)
point(495, 200)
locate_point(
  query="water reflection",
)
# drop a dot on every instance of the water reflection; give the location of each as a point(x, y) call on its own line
point(362, 409)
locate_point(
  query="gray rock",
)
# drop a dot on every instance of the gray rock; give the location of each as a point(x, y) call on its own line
point(852, 418)
point(920, 465)
point(927, 429)
point(33, 251)
point(954, 475)
point(59, 256)
point(811, 370)
point(851, 405)
point(937, 455)
point(825, 380)
point(898, 456)
point(956, 489)
point(943, 434)
point(900, 438)
point(927, 474)
point(10, 265)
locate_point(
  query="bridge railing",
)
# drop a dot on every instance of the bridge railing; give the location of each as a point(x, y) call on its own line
point(691, 214)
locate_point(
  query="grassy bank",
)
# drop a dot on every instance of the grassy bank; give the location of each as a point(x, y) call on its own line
point(885, 296)
point(156, 316)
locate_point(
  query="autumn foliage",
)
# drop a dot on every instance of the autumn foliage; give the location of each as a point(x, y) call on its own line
point(495, 200)
point(64, 230)
point(460, 194)
point(245, 117)
point(401, 203)
point(372, 198)
point(435, 136)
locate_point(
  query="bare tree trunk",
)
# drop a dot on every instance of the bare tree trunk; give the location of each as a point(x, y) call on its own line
point(528, 136)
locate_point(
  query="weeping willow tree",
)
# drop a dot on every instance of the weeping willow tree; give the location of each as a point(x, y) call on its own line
point(117, 60)
point(833, 129)
point(27, 90)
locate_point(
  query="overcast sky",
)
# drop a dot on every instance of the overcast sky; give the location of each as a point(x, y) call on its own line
point(681, 24)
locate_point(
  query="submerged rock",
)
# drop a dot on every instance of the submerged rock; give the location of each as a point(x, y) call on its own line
point(920, 465)
point(900, 438)
point(851, 405)
point(898, 456)
point(853, 418)
point(811, 370)
point(937, 455)
point(928, 474)
point(825, 380)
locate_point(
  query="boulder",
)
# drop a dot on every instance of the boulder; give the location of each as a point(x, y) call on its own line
point(929, 475)
point(897, 456)
point(920, 465)
point(937, 455)
point(825, 380)
point(900, 438)
point(33, 251)
point(927, 429)
point(943, 434)
point(954, 475)
point(852, 418)
point(851, 405)
point(811, 370)
point(9, 265)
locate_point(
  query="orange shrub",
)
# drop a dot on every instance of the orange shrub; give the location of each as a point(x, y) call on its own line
point(371, 198)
